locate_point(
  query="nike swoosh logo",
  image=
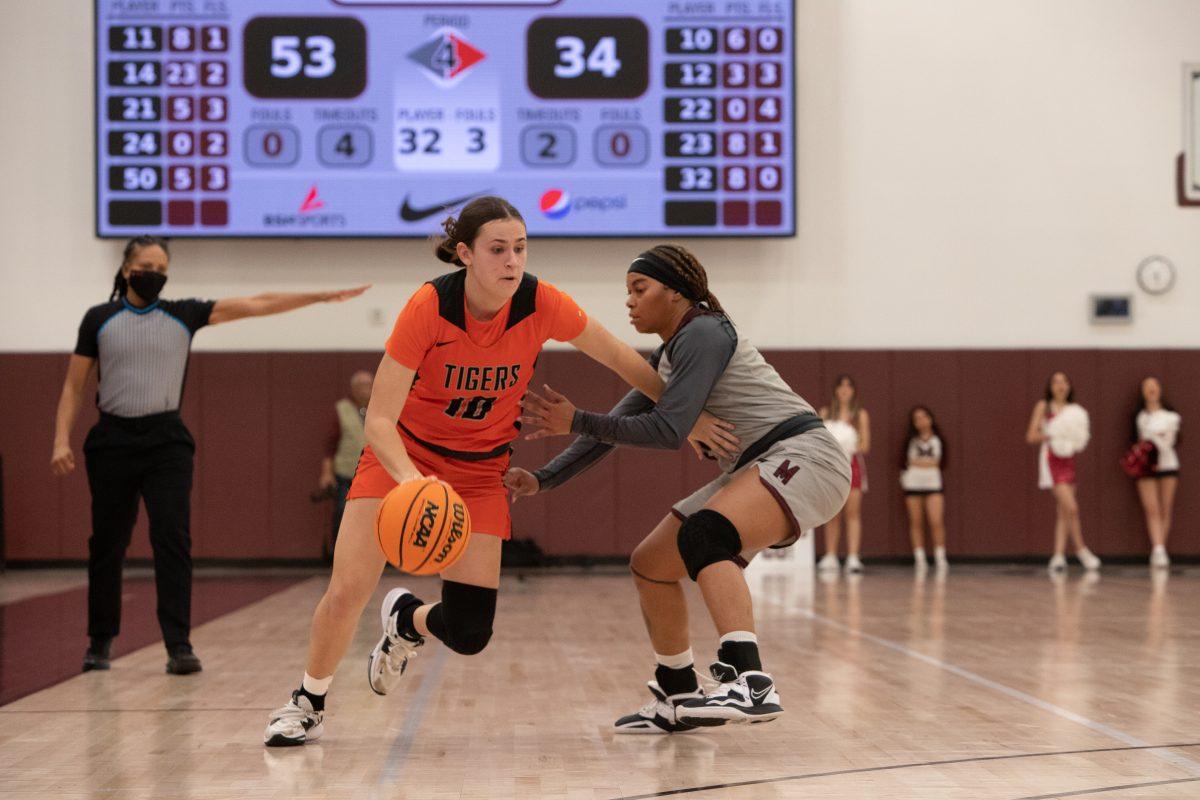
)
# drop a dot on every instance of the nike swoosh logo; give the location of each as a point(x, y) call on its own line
point(443, 344)
point(756, 696)
point(408, 213)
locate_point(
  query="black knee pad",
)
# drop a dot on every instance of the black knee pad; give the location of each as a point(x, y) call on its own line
point(463, 620)
point(705, 538)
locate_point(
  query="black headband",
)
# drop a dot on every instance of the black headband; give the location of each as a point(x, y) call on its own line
point(652, 266)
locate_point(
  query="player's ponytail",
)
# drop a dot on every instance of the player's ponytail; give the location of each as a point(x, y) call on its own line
point(465, 227)
point(120, 284)
point(690, 273)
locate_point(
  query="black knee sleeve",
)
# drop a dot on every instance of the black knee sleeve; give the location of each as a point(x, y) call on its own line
point(705, 538)
point(463, 620)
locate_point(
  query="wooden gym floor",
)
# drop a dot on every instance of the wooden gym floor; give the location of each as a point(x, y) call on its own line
point(993, 683)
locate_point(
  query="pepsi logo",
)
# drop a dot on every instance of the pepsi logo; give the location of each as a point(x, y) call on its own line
point(555, 203)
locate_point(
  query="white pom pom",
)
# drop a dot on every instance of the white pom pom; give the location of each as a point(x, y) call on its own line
point(1069, 431)
point(845, 433)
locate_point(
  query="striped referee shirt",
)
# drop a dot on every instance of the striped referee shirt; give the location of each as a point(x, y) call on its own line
point(142, 353)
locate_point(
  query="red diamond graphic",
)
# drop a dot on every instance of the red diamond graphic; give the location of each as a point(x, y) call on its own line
point(466, 56)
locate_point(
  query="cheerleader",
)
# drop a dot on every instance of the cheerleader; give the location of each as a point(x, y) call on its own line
point(923, 459)
point(851, 426)
point(1061, 427)
point(1156, 421)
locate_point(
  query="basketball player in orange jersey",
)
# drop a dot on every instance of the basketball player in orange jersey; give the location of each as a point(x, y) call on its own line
point(445, 403)
point(791, 477)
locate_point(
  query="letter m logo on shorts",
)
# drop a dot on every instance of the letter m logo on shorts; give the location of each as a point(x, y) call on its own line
point(785, 471)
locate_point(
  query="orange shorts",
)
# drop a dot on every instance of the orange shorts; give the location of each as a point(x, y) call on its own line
point(479, 483)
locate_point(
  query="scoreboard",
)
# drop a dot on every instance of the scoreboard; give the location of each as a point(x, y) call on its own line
point(365, 118)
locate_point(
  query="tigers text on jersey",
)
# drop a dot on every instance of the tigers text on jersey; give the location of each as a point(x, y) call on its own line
point(471, 375)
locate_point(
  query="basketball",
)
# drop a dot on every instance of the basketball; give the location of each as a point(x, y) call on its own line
point(423, 526)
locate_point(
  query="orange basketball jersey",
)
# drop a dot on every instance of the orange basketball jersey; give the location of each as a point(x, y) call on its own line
point(471, 375)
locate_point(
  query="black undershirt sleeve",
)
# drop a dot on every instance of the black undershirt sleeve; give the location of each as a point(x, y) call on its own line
point(699, 354)
point(585, 452)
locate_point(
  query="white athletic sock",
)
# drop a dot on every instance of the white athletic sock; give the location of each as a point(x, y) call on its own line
point(919, 553)
point(681, 661)
point(739, 636)
point(939, 553)
point(316, 686)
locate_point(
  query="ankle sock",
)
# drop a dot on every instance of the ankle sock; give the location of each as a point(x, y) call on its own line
point(739, 649)
point(404, 609)
point(675, 674)
point(315, 689)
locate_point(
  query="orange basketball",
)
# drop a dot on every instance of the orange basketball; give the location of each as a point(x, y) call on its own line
point(423, 526)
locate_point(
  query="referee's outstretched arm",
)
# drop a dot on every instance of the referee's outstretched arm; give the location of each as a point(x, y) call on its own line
point(261, 305)
point(79, 368)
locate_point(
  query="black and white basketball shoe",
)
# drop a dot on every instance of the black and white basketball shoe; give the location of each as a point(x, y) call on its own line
point(749, 697)
point(295, 723)
point(389, 659)
point(659, 715)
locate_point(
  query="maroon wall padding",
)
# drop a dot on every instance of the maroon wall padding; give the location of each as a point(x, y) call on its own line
point(261, 420)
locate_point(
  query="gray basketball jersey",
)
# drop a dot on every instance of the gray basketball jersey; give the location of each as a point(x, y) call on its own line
point(705, 366)
point(749, 393)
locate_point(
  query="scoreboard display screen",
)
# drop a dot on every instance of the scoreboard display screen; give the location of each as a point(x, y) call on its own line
point(365, 118)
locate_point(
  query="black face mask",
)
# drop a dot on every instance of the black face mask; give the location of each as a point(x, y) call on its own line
point(147, 285)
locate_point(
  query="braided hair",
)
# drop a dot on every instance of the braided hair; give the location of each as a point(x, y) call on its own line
point(690, 272)
point(465, 228)
point(120, 284)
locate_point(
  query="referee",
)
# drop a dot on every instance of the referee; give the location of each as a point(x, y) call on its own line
point(140, 446)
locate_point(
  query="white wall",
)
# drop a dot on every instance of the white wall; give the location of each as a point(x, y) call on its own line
point(969, 171)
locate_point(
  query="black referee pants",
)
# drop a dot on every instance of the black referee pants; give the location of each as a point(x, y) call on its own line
point(127, 458)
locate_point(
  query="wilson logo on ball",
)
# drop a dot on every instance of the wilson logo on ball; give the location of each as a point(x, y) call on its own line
point(457, 531)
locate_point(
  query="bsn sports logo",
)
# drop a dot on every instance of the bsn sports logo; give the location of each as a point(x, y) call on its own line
point(447, 56)
point(556, 203)
point(312, 201)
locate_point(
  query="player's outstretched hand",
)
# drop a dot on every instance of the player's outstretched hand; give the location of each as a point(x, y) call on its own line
point(341, 295)
point(712, 437)
point(521, 483)
point(552, 413)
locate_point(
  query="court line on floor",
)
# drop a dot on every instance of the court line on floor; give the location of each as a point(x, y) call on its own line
point(914, 765)
point(1102, 789)
point(1182, 762)
point(397, 757)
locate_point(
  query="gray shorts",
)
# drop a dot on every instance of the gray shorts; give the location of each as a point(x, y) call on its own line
point(807, 474)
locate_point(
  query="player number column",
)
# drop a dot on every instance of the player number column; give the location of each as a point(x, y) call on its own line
point(133, 112)
point(691, 138)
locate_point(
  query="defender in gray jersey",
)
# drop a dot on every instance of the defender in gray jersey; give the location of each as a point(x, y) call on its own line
point(791, 476)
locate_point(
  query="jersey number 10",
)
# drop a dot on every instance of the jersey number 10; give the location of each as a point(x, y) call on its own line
point(475, 408)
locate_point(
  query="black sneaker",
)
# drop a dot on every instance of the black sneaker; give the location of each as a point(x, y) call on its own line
point(97, 655)
point(749, 697)
point(182, 661)
point(657, 716)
